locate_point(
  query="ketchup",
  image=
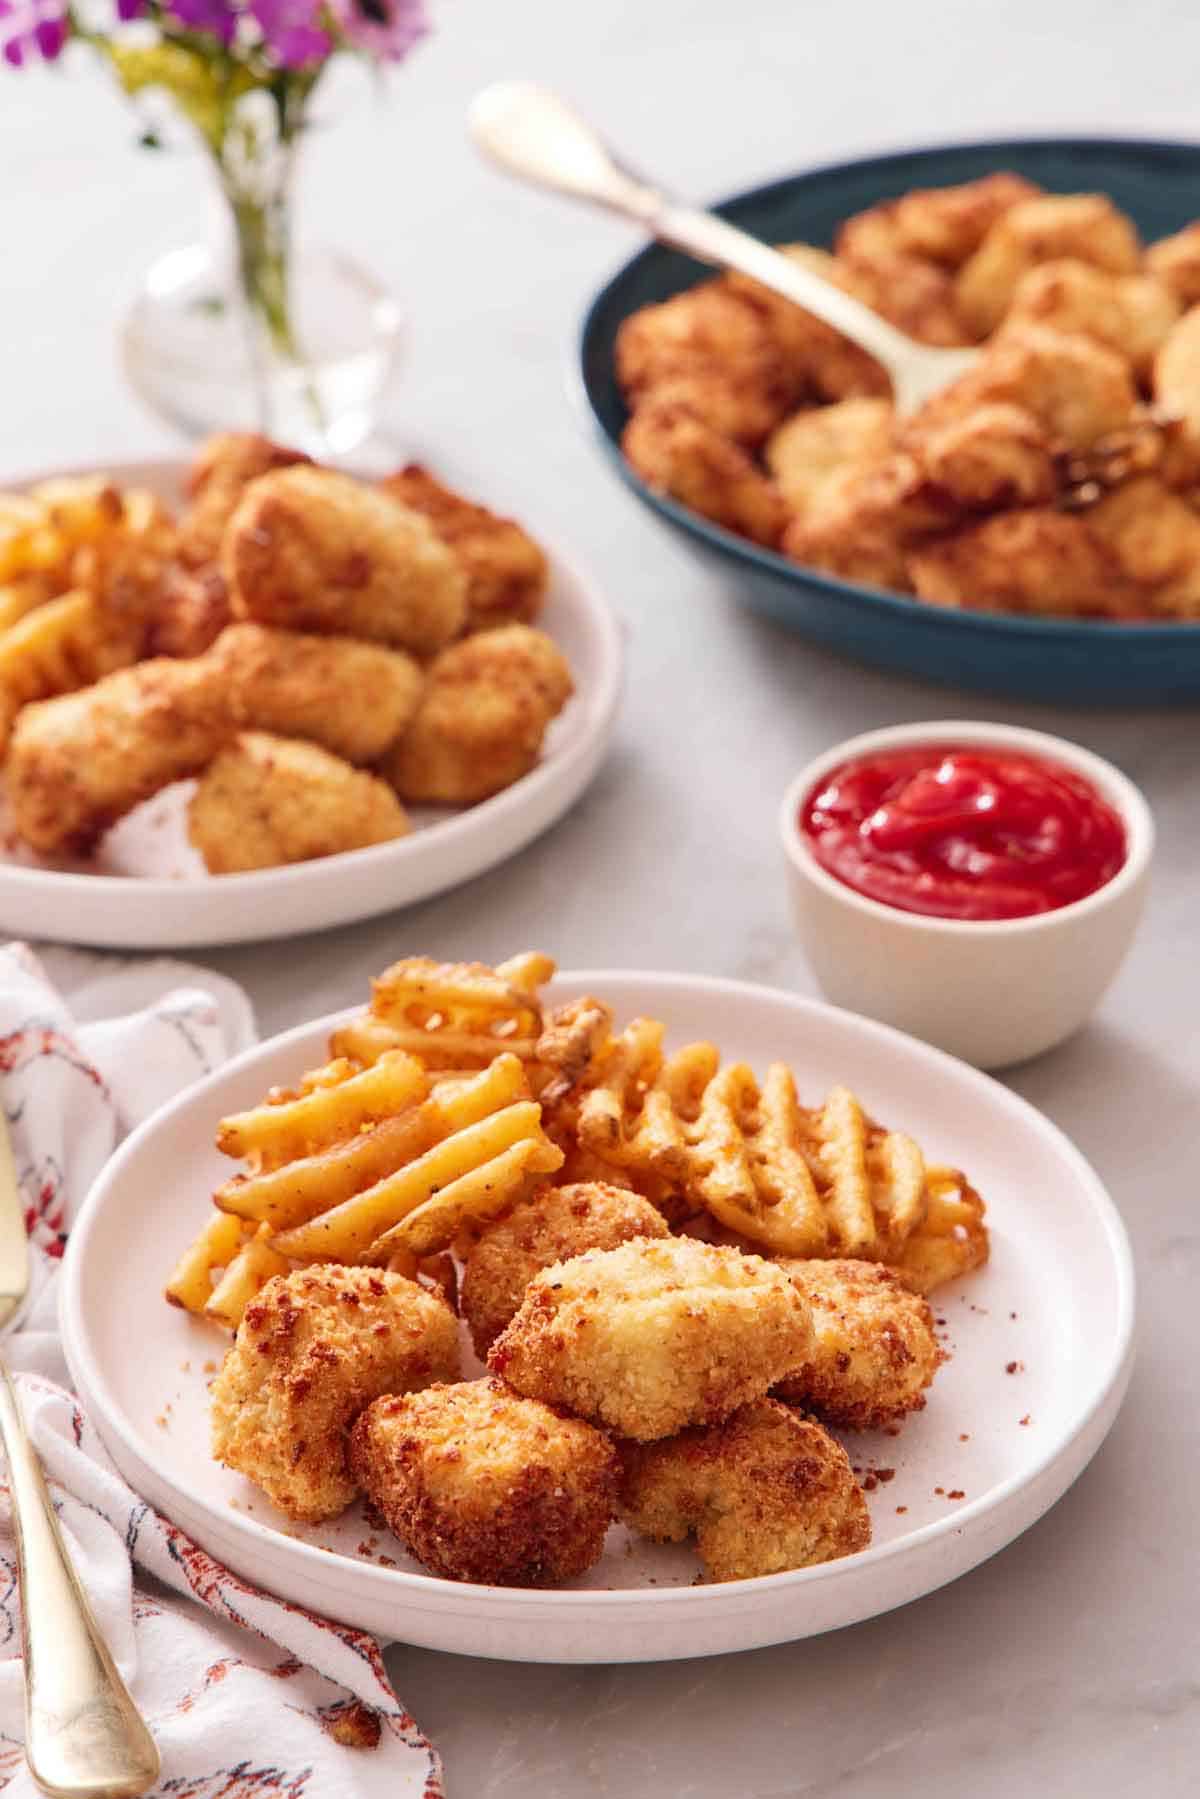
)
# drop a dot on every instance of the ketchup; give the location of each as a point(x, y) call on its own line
point(963, 831)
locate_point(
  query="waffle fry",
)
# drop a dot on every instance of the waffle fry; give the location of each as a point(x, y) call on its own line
point(58, 647)
point(951, 1239)
point(248, 1273)
point(290, 1127)
point(453, 1015)
point(191, 1282)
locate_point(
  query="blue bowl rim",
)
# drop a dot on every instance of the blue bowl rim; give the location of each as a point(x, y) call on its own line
point(877, 599)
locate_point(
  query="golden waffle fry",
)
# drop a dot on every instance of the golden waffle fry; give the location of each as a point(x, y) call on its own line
point(23, 594)
point(296, 1191)
point(191, 1282)
point(58, 647)
point(454, 1129)
point(248, 1273)
point(459, 1014)
point(485, 1188)
point(324, 1114)
point(951, 1239)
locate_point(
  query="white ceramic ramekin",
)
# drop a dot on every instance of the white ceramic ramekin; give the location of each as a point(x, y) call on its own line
point(992, 992)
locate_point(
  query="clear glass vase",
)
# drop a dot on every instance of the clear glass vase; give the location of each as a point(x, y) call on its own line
point(248, 334)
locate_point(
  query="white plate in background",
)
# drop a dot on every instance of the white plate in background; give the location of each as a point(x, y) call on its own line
point(146, 888)
point(1040, 1341)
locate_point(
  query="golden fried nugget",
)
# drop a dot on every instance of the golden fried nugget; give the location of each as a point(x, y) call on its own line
point(487, 705)
point(313, 1349)
point(762, 1492)
point(951, 1238)
point(911, 292)
point(313, 550)
point(352, 698)
point(552, 1225)
point(676, 453)
point(864, 530)
point(80, 762)
point(997, 454)
point(1177, 372)
point(190, 613)
point(1077, 388)
point(506, 570)
point(813, 454)
point(712, 330)
point(58, 648)
point(1131, 314)
point(1087, 227)
point(1155, 536)
point(874, 1352)
point(652, 1336)
point(948, 224)
point(819, 359)
point(265, 801)
point(1175, 261)
point(1032, 560)
point(222, 469)
point(484, 1486)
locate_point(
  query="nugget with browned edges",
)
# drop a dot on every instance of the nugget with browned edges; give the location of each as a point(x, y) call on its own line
point(506, 570)
point(222, 469)
point(873, 1353)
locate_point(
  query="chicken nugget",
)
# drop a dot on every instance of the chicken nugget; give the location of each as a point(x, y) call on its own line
point(1175, 261)
point(1077, 388)
point(352, 698)
point(78, 763)
point(678, 454)
point(1085, 226)
point(552, 1225)
point(313, 550)
point(506, 570)
point(819, 360)
point(812, 453)
point(265, 801)
point(484, 1486)
point(487, 705)
point(191, 611)
point(713, 329)
point(1155, 537)
point(868, 522)
point(948, 224)
point(1131, 314)
point(312, 1350)
point(1033, 560)
point(874, 1352)
point(222, 468)
point(997, 454)
point(763, 1492)
point(652, 1336)
point(1177, 373)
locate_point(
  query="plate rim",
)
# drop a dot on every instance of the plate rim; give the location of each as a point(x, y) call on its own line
point(263, 882)
point(862, 596)
point(733, 1595)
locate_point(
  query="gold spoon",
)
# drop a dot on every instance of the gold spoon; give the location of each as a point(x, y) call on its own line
point(84, 1737)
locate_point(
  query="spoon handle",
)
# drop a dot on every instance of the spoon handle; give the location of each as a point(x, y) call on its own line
point(534, 134)
point(84, 1737)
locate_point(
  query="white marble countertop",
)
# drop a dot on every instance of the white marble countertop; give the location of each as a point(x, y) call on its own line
point(1068, 1664)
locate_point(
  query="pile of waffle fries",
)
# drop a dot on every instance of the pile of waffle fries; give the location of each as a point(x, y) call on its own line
point(452, 1098)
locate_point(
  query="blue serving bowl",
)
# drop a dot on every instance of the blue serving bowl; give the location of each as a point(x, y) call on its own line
point(1080, 661)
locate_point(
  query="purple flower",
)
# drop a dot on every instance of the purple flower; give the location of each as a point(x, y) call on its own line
point(31, 28)
point(128, 9)
point(215, 16)
point(384, 28)
point(290, 31)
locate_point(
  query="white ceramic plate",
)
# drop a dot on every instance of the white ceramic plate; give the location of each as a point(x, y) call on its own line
point(145, 888)
point(991, 1452)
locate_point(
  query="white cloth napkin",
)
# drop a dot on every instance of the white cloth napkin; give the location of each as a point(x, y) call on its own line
point(245, 1695)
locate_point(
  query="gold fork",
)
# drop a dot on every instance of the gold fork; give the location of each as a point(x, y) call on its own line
point(84, 1737)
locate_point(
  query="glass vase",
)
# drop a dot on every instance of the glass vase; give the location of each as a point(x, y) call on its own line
point(246, 333)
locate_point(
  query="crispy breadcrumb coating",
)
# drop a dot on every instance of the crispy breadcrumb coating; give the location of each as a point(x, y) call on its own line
point(714, 330)
point(222, 469)
point(1131, 314)
point(480, 725)
point(553, 1225)
point(1087, 227)
point(652, 1336)
point(1031, 560)
point(997, 454)
point(679, 454)
point(265, 801)
point(814, 453)
point(78, 763)
point(314, 550)
point(1175, 261)
point(506, 570)
point(352, 698)
point(484, 1486)
point(874, 1352)
point(763, 1492)
point(191, 611)
point(312, 1350)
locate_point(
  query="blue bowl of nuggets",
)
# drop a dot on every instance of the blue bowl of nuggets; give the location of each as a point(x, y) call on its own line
point(1033, 532)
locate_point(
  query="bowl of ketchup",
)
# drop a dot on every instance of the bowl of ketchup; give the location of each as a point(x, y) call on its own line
point(976, 885)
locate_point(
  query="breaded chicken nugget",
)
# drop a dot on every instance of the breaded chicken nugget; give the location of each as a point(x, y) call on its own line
point(1087, 227)
point(268, 800)
point(352, 698)
point(313, 550)
point(948, 224)
point(997, 454)
point(484, 1486)
point(506, 570)
point(487, 705)
point(191, 611)
point(819, 359)
point(221, 470)
point(1175, 261)
point(1077, 389)
point(653, 1336)
point(678, 454)
point(312, 1350)
point(763, 1492)
point(1177, 372)
point(1131, 314)
point(552, 1225)
point(1031, 560)
point(713, 329)
point(78, 763)
point(874, 1351)
point(1155, 536)
point(867, 523)
point(812, 454)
